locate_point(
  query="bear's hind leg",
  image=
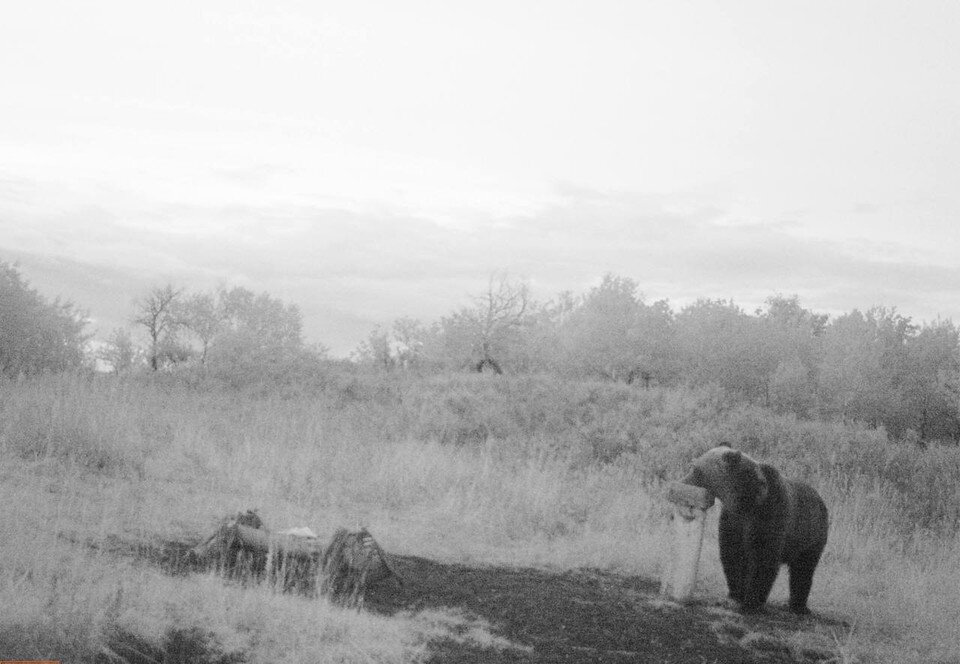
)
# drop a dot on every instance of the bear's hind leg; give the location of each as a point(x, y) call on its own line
point(801, 578)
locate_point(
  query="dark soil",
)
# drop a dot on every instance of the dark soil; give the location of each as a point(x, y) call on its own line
point(584, 616)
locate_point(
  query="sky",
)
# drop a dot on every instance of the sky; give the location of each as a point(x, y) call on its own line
point(369, 161)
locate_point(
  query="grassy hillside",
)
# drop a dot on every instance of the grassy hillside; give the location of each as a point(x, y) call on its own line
point(520, 471)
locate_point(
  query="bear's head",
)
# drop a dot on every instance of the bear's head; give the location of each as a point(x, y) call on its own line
point(732, 476)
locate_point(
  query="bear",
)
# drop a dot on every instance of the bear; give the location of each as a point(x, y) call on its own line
point(766, 521)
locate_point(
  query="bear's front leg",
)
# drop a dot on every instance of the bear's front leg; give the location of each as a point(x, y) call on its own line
point(733, 553)
point(765, 564)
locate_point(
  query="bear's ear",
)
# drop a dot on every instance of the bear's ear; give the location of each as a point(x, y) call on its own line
point(724, 443)
point(733, 458)
point(763, 489)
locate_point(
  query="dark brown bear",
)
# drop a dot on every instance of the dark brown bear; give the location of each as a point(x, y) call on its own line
point(765, 521)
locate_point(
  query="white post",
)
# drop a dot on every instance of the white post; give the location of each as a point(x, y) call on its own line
point(690, 504)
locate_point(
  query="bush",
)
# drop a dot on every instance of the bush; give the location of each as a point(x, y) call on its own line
point(36, 336)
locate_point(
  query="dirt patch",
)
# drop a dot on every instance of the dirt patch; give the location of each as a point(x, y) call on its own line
point(585, 616)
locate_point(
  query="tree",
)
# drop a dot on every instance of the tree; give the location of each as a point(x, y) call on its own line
point(930, 389)
point(656, 331)
point(542, 336)
point(406, 345)
point(237, 334)
point(37, 335)
point(862, 366)
point(791, 340)
point(602, 335)
point(412, 340)
point(375, 350)
point(204, 318)
point(718, 343)
point(791, 389)
point(259, 338)
point(263, 321)
point(788, 314)
point(156, 312)
point(119, 352)
point(487, 334)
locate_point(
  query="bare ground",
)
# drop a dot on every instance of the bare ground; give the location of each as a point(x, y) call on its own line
point(587, 616)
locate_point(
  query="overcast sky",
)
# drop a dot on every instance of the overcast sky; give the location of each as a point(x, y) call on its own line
point(376, 160)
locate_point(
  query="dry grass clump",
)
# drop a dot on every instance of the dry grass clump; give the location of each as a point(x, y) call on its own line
point(900, 595)
point(73, 418)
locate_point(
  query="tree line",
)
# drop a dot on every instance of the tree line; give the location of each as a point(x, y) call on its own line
point(875, 366)
point(232, 334)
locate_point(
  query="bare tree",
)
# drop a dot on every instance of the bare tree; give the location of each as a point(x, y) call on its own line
point(156, 313)
point(498, 313)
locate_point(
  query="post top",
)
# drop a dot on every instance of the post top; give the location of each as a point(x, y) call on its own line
point(689, 495)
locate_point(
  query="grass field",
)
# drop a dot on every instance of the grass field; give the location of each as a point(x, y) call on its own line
point(518, 471)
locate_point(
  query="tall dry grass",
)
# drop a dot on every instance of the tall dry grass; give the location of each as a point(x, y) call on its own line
point(527, 471)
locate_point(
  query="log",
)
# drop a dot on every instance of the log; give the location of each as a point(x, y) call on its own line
point(682, 555)
point(242, 548)
point(282, 545)
point(290, 562)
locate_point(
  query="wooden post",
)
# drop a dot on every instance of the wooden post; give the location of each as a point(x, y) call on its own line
point(682, 555)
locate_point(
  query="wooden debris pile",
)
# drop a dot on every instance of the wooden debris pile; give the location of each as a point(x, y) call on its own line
point(295, 560)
